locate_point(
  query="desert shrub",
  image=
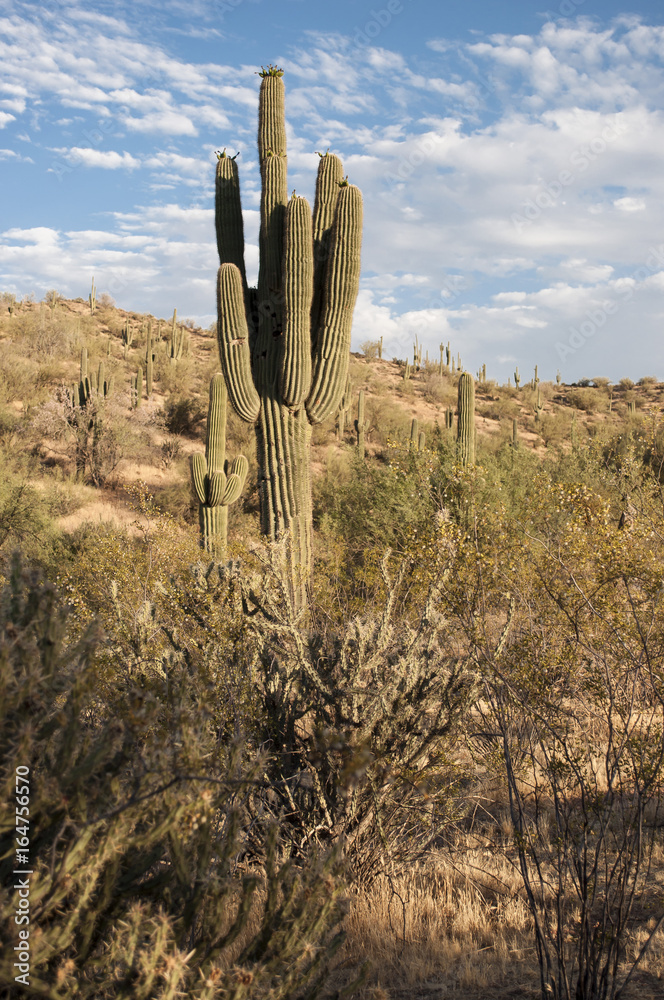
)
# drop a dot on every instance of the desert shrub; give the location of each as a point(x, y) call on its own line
point(589, 400)
point(373, 507)
point(625, 383)
point(498, 409)
point(438, 389)
point(370, 349)
point(178, 500)
point(647, 381)
point(360, 721)
point(136, 814)
point(182, 414)
point(576, 707)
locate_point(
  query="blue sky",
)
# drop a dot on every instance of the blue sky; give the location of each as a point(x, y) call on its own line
point(510, 156)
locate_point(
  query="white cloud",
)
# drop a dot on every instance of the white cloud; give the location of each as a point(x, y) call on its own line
point(105, 159)
point(630, 204)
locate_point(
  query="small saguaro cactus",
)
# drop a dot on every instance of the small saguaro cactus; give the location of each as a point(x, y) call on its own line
point(558, 377)
point(285, 346)
point(421, 441)
point(360, 424)
point(441, 363)
point(539, 406)
point(515, 433)
point(413, 433)
point(517, 377)
point(127, 339)
point(217, 484)
point(86, 399)
point(136, 388)
point(380, 349)
point(344, 407)
point(536, 379)
point(449, 419)
point(406, 371)
point(466, 420)
point(178, 344)
point(417, 355)
point(92, 297)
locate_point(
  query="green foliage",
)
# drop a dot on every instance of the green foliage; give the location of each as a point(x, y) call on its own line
point(181, 415)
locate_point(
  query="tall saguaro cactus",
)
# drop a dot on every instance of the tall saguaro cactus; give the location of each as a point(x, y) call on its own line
point(285, 346)
point(466, 420)
point(217, 484)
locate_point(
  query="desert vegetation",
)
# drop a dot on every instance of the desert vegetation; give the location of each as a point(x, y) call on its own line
point(372, 708)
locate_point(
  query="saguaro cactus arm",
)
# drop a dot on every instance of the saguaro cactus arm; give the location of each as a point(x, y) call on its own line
point(215, 486)
point(342, 280)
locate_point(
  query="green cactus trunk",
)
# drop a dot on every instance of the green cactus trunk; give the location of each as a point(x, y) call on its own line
point(466, 420)
point(216, 483)
point(285, 347)
point(360, 425)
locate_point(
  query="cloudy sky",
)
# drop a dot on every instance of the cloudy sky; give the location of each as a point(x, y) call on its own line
point(511, 158)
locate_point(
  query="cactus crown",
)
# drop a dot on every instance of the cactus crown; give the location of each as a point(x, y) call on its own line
point(271, 71)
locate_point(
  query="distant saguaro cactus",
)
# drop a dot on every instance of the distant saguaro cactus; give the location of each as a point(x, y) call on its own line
point(285, 346)
point(149, 361)
point(216, 483)
point(466, 420)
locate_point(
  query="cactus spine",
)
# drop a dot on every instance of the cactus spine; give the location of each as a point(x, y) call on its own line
point(216, 483)
point(360, 424)
point(466, 420)
point(285, 347)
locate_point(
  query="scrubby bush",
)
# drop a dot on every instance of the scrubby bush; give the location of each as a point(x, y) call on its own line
point(136, 819)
